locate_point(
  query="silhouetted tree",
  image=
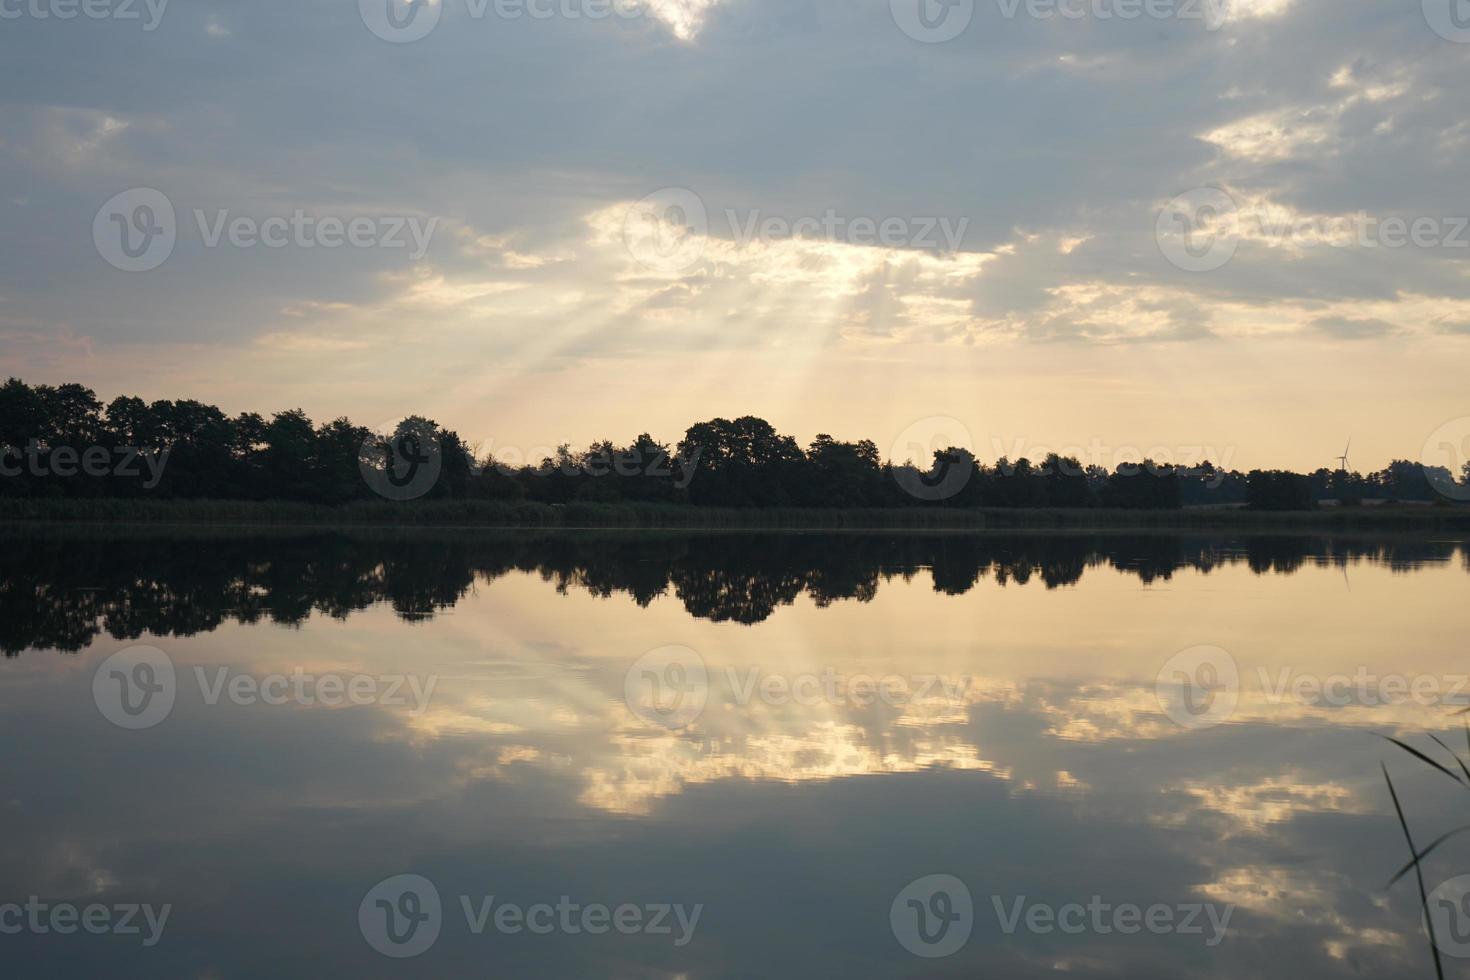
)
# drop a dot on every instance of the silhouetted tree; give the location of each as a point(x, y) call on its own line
point(743, 462)
point(1278, 490)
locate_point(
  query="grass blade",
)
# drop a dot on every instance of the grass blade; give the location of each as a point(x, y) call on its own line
point(1423, 758)
point(1451, 751)
point(1418, 873)
point(1424, 854)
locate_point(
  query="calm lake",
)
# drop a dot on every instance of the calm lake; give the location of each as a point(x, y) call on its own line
point(642, 754)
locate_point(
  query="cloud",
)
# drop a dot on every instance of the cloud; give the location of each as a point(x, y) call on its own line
point(1055, 141)
point(1345, 328)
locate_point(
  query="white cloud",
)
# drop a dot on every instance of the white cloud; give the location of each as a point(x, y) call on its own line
point(684, 17)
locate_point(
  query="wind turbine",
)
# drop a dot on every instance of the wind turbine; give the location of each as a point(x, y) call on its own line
point(1343, 459)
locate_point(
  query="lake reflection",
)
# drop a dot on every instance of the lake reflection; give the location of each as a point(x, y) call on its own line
point(875, 708)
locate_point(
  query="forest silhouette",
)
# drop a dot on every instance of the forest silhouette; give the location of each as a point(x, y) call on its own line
point(60, 442)
point(62, 588)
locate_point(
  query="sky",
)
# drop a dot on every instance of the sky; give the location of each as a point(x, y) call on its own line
point(1232, 229)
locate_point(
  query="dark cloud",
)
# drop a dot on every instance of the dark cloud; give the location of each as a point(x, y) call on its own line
point(1346, 328)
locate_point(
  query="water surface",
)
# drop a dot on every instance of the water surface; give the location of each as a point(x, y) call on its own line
point(1042, 718)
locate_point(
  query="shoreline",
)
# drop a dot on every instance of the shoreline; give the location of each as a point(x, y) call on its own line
point(491, 515)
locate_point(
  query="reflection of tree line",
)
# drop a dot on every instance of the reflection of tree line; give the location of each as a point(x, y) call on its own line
point(63, 590)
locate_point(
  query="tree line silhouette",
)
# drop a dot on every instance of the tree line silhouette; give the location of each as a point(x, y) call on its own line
point(63, 589)
point(62, 442)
